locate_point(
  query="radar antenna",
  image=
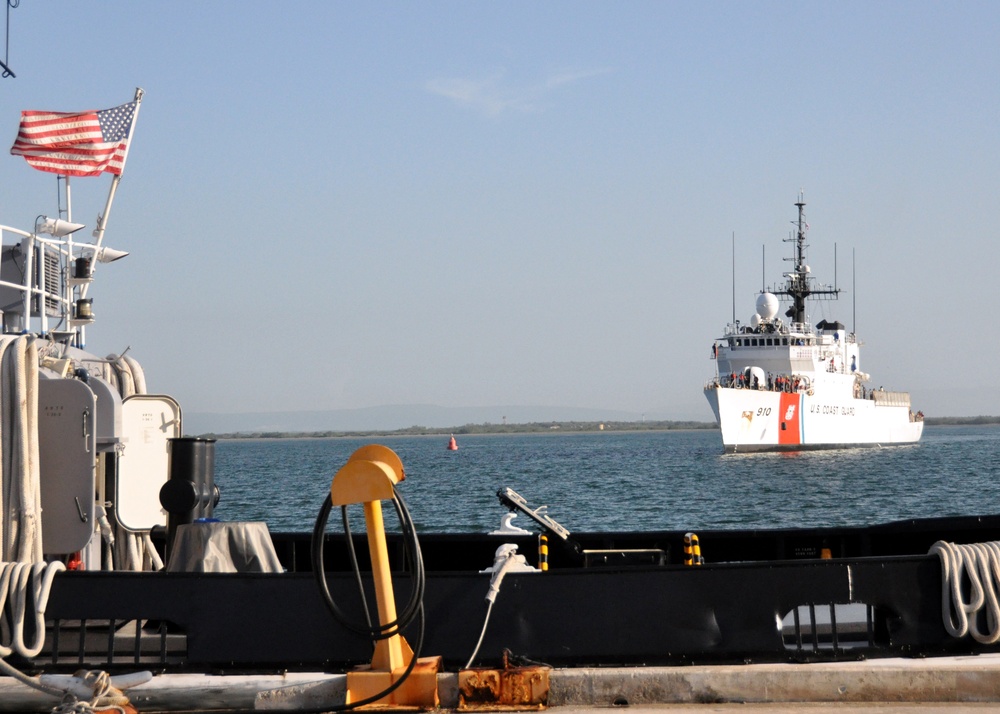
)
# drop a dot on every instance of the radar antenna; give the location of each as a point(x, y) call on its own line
point(798, 286)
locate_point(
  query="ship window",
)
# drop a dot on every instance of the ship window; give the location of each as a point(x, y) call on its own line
point(754, 342)
point(770, 342)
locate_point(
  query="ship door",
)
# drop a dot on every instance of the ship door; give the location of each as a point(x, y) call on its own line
point(67, 445)
point(149, 421)
point(789, 419)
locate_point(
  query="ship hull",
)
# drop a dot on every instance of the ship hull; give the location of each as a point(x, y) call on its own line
point(763, 420)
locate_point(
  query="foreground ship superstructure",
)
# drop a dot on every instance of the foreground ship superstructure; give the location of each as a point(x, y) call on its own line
point(785, 385)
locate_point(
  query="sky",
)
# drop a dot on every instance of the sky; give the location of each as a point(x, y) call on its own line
point(335, 205)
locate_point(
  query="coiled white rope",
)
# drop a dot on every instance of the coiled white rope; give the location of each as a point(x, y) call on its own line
point(136, 372)
point(974, 569)
point(17, 582)
point(136, 551)
point(20, 498)
point(125, 373)
point(94, 689)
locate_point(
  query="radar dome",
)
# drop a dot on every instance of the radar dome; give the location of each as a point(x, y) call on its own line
point(755, 321)
point(767, 306)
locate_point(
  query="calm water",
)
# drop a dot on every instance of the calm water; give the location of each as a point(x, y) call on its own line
point(625, 481)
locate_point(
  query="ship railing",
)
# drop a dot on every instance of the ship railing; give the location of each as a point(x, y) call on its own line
point(117, 644)
point(40, 292)
point(734, 329)
point(883, 398)
point(17, 287)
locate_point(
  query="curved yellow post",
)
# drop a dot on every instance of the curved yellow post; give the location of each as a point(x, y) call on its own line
point(361, 482)
point(368, 478)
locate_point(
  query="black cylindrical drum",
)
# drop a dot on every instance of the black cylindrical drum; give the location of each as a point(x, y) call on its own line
point(190, 492)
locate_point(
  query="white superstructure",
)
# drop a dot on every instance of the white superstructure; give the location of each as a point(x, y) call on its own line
point(785, 385)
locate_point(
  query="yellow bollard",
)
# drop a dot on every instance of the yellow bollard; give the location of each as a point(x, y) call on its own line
point(368, 478)
point(543, 552)
point(692, 550)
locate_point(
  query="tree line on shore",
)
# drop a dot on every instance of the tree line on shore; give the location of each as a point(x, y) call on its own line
point(543, 427)
point(485, 428)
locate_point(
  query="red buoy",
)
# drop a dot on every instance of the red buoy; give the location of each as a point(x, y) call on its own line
point(452, 444)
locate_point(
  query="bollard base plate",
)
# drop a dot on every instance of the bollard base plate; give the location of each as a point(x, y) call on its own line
point(418, 692)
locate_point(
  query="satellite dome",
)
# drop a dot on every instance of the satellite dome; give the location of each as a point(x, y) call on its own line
point(767, 306)
point(755, 321)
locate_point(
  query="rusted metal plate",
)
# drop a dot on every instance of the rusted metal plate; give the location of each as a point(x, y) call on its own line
point(513, 689)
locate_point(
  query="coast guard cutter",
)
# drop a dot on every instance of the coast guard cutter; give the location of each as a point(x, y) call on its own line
point(785, 385)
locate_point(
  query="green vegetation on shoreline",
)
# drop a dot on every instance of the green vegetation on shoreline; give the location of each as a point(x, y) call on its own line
point(548, 427)
point(486, 428)
point(962, 421)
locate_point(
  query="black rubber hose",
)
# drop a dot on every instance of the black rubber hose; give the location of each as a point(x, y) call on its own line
point(415, 605)
point(414, 560)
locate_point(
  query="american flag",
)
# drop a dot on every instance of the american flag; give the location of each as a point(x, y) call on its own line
point(84, 144)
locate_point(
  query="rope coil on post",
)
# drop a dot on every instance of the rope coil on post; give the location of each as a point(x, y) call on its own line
point(974, 569)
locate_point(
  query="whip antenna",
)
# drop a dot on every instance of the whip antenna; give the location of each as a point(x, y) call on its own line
point(734, 277)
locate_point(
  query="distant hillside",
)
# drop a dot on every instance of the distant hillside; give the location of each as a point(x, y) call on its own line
point(397, 417)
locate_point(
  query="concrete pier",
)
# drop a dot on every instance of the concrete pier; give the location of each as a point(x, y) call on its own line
point(942, 679)
point(883, 685)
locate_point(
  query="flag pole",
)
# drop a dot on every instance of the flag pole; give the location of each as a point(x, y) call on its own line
point(102, 218)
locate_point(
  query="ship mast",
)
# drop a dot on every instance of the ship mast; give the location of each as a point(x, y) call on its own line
point(798, 287)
